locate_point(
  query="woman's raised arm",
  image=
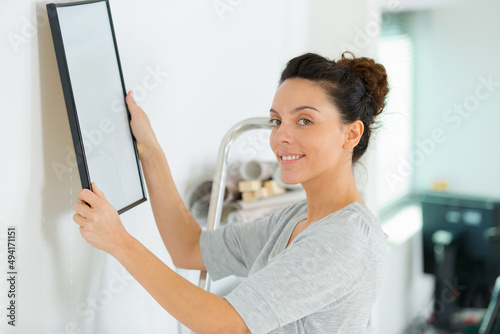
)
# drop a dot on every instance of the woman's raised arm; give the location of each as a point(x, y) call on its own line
point(178, 229)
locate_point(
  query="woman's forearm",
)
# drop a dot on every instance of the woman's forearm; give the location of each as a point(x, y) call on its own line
point(199, 310)
point(178, 228)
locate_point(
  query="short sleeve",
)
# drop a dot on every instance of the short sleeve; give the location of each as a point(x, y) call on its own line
point(232, 249)
point(317, 270)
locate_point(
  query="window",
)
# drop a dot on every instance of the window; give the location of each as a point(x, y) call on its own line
point(394, 136)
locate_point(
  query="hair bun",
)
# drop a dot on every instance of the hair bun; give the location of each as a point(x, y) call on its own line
point(373, 75)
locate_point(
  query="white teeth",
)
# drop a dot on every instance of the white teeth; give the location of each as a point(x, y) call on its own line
point(290, 157)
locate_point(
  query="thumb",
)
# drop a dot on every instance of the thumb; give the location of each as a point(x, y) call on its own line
point(97, 191)
point(132, 105)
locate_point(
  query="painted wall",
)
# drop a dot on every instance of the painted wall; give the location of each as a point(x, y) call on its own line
point(458, 98)
point(197, 68)
point(455, 122)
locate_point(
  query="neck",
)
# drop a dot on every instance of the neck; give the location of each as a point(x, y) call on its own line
point(328, 193)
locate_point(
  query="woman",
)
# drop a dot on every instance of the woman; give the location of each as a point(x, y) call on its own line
point(313, 267)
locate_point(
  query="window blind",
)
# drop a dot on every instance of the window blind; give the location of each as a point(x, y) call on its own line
point(394, 134)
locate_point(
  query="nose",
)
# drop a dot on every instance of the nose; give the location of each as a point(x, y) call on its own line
point(283, 134)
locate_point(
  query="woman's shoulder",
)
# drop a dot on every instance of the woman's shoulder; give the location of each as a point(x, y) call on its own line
point(355, 219)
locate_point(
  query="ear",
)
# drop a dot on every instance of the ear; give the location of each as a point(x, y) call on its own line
point(354, 131)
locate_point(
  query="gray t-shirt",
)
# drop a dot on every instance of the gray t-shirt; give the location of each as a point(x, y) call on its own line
point(325, 281)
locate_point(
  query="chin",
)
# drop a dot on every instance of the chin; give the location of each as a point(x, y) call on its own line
point(290, 179)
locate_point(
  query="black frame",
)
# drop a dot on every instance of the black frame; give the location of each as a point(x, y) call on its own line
point(70, 101)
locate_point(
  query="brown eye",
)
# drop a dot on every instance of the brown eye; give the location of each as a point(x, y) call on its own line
point(304, 121)
point(274, 122)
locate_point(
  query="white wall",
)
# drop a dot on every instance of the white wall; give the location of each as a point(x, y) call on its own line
point(212, 70)
point(458, 50)
point(456, 44)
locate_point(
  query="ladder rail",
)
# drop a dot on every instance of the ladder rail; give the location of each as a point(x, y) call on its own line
point(219, 182)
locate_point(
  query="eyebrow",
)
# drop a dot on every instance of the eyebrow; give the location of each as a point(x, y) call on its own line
point(296, 109)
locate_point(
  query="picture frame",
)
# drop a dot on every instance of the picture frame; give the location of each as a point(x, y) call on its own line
point(94, 93)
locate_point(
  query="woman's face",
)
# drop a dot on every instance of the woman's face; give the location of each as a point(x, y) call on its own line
point(307, 136)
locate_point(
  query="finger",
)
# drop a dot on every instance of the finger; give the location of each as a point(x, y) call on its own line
point(132, 105)
point(82, 209)
point(82, 231)
point(77, 218)
point(87, 196)
point(97, 191)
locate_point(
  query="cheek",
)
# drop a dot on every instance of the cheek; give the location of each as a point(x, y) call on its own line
point(328, 146)
point(271, 140)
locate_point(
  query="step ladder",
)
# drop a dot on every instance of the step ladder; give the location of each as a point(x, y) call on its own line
point(219, 182)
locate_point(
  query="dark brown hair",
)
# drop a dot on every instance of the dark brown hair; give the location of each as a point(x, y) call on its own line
point(357, 87)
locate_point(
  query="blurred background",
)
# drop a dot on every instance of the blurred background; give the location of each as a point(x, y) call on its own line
point(199, 67)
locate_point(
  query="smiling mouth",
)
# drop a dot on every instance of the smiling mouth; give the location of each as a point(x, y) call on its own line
point(291, 158)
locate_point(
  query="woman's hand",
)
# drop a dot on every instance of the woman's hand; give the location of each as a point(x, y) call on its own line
point(141, 127)
point(99, 223)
